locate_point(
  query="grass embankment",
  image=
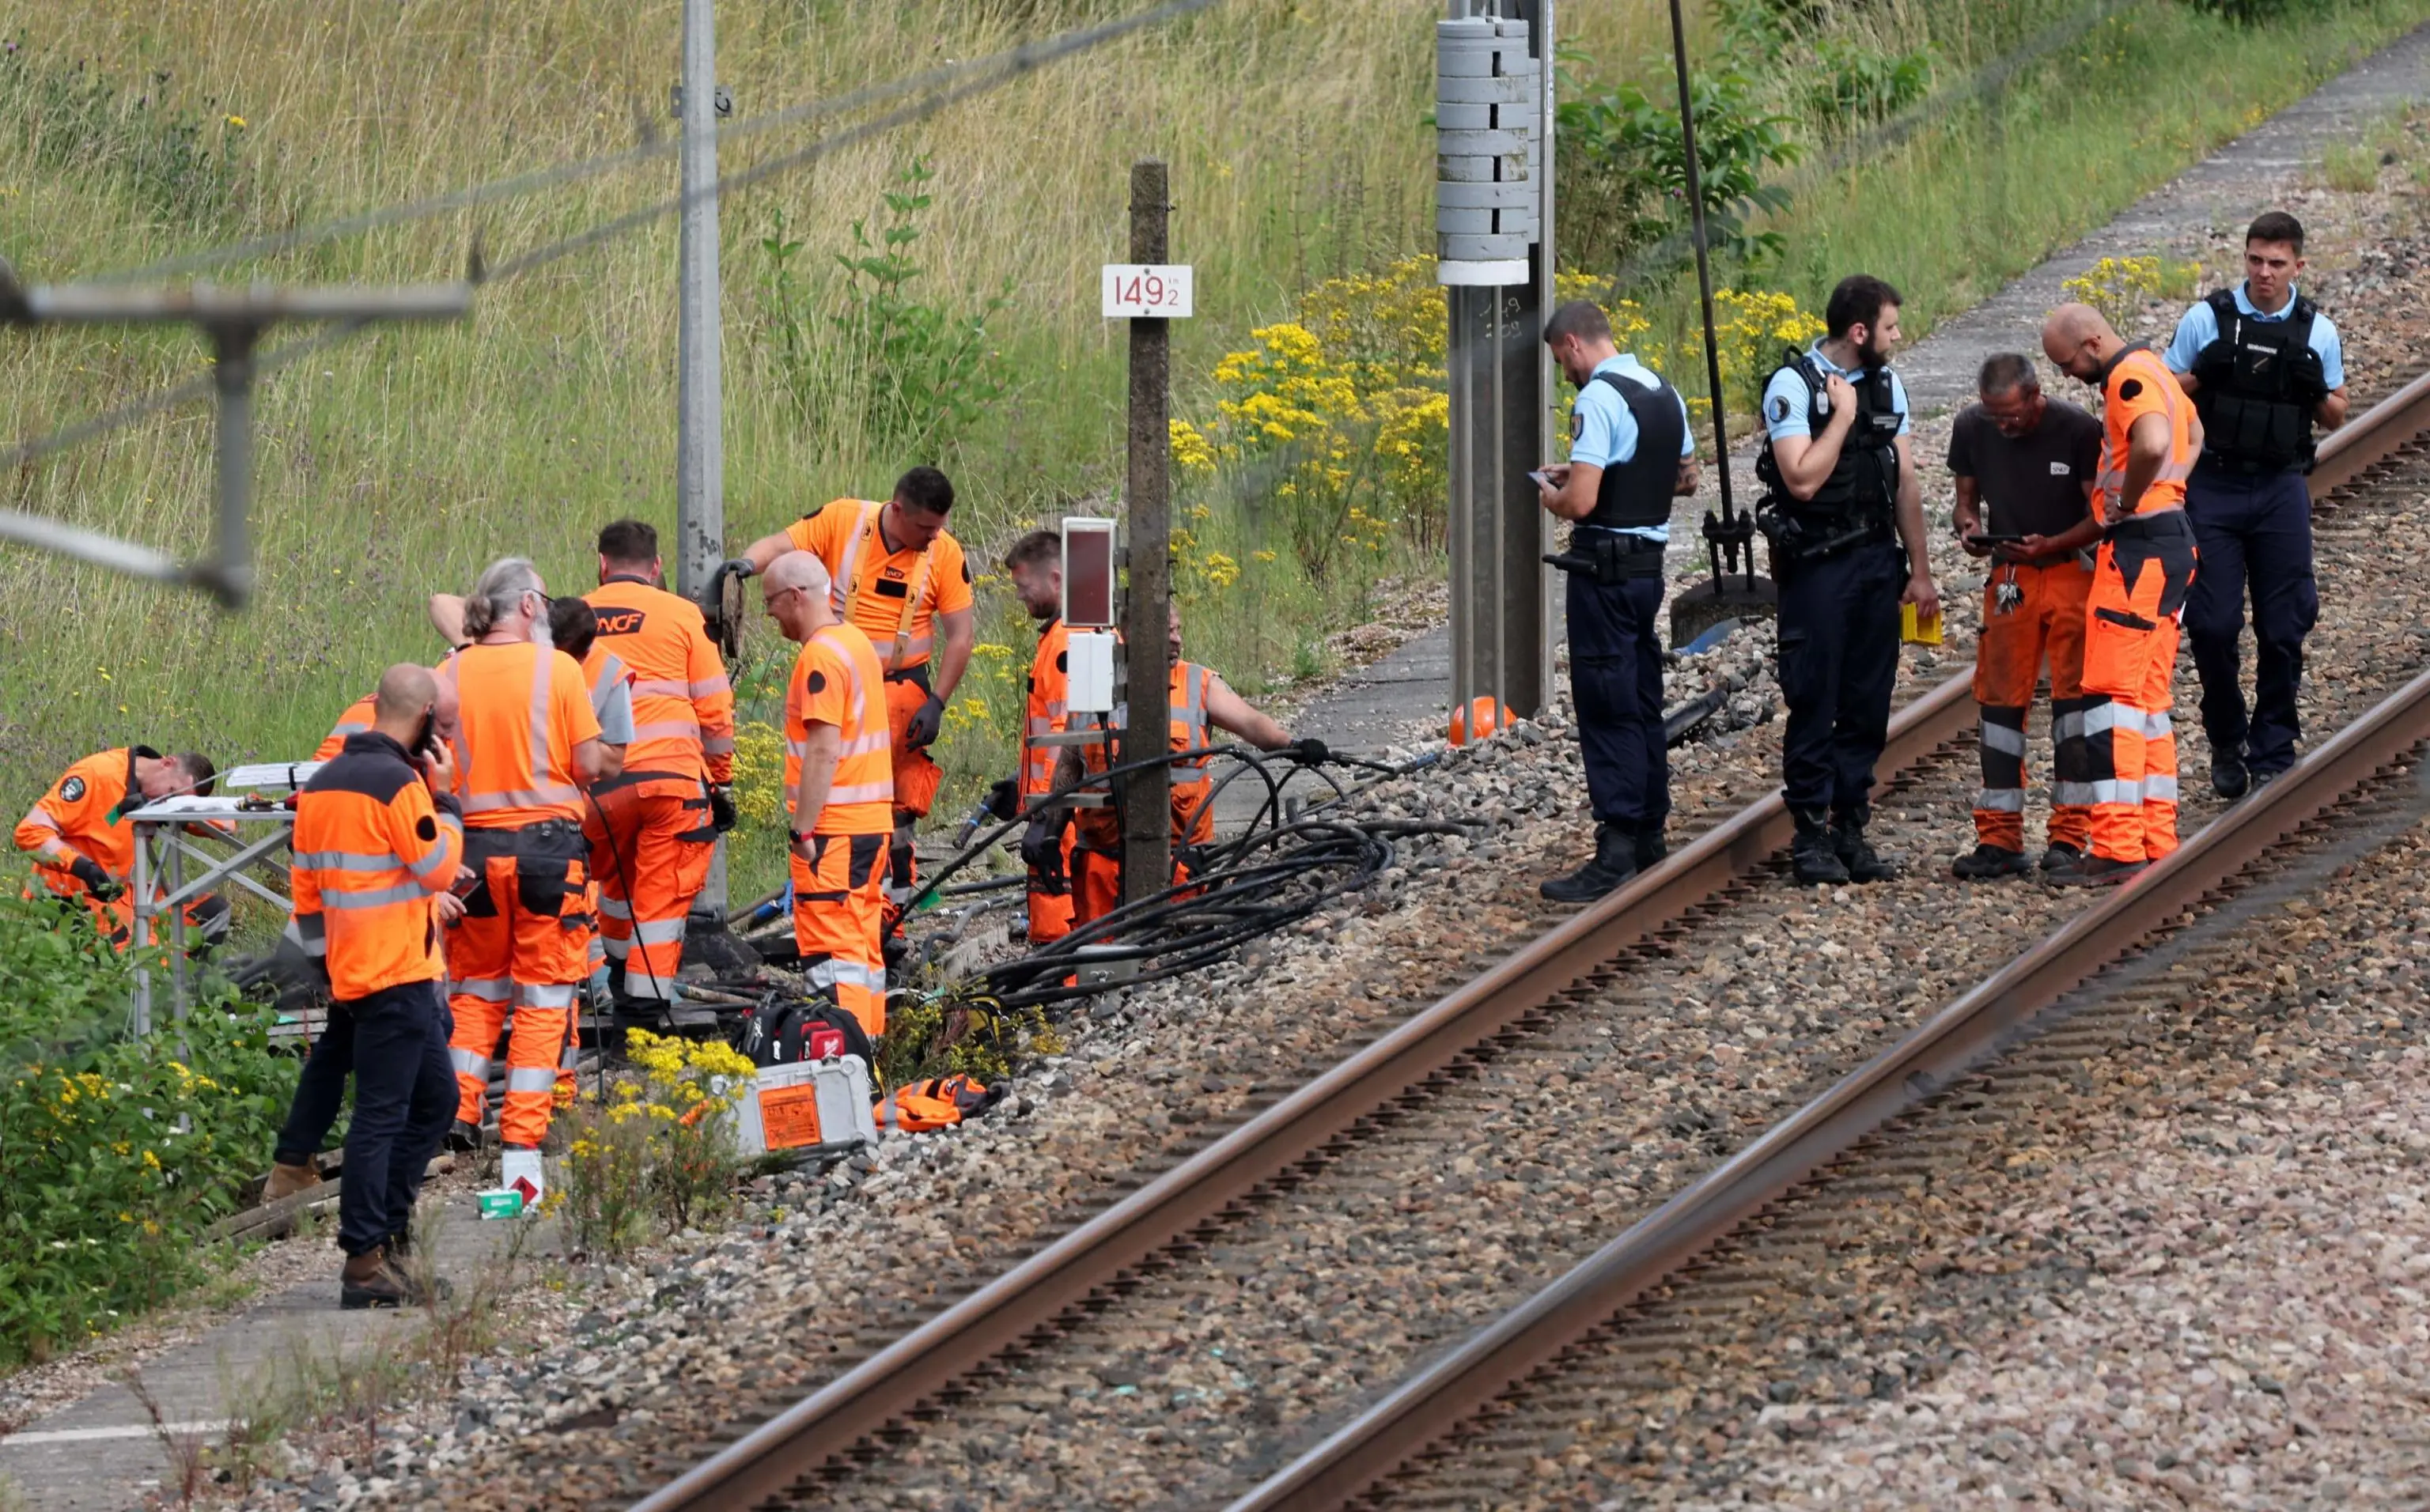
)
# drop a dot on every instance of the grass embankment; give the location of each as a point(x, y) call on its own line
point(402, 461)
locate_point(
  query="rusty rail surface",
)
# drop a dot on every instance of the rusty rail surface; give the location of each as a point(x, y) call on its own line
point(886, 1387)
point(1437, 1399)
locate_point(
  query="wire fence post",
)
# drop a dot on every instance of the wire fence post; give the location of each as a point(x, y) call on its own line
point(1147, 795)
point(700, 446)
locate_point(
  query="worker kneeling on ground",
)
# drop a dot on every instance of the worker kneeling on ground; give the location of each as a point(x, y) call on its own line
point(378, 844)
point(898, 575)
point(528, 743)
point(83, 844)
point(839, 789)
point(2150, 440)
point(2032, 461)
point(1199, 700)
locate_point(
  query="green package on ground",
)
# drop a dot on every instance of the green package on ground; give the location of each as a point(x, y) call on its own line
point(505, 1203)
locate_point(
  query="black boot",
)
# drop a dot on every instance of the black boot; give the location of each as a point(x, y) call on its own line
point(1615, 862)
point(1811, 856)
point(1649, 848)
point(1855, 853)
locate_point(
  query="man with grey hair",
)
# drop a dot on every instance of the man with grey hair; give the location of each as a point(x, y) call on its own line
point(528, 743)
point(2031, 461)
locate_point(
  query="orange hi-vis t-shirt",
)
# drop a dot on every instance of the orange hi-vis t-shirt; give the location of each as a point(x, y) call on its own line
point(893, 597)
point(836, 681)
point(524, 708)
point(683, 705)
point(1048, 708)
point(2137, 383)
point(354, 720)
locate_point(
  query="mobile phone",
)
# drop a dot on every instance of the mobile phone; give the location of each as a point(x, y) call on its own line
point(1997, 537)
point(425, 735)
point(1542, 479)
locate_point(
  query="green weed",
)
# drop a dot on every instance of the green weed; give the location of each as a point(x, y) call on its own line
point(2352, 167)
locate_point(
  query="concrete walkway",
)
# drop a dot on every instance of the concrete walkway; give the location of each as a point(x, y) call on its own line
point(2215, 198)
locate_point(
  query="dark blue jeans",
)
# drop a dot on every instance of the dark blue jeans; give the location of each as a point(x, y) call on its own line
point(1838, 664)
point(404, 1098)
point(320, 1090)
point(2252, 533)
point(1616, 681)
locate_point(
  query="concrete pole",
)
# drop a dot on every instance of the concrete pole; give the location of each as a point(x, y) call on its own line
point(1147, 796)
point(700, 445)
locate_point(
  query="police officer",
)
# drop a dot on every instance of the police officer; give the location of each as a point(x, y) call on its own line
point(2264, 367)
point(1841, 498)
point(1630, 454)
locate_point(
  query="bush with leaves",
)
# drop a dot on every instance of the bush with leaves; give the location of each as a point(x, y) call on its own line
point(657, 1154)
point(1624, 176)
point(116, 1152)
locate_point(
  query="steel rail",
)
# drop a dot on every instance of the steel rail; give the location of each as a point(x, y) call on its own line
point(1438, 1398)
point(886, 1387)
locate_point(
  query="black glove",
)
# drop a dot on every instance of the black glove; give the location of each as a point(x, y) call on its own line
point(721, 809)
point(1003, 798)
point(1309, 749)
point(925, 723)
point(2307, 375)
point(96, 881)
point(1042, 848)
point(735, 566)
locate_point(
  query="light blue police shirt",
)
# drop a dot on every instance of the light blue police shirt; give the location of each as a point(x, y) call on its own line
point(1788, 412)
point(1607, 428)
point(2199, 328)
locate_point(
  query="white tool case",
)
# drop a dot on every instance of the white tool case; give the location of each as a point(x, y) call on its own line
point(808, 1105)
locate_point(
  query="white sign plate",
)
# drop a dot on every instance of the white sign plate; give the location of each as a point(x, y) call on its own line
point(1134, 290)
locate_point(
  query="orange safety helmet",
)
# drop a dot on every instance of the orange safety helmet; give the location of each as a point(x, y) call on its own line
point(1483, 716)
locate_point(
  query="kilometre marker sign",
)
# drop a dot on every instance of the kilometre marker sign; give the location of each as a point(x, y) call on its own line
point(1158, 290)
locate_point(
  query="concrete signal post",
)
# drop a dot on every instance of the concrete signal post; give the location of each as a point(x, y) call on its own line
point(1494, 218)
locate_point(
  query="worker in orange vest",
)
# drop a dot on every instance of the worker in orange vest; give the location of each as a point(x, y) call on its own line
point(359, 716)
point(378, 845)
point(1035, 565)
point(657, 823)
point(2151, 439)
point(899, 575)
point(83, 844)
point(839, 789)
point(528, 743)
point(1200, 701)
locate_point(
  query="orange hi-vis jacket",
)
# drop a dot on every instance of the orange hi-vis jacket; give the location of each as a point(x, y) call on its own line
point(354, 720)
point(1050, 690)
point(2137, 382)
point(893, 597)
point(683, 705)
point(1193, 818)
point(836, 681)
point(372, 850)
point(86, 811)
point(523, 709)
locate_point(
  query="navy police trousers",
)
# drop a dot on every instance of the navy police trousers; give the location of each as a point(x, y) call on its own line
point(1616, 681)
point(1839, 661)
point(2252, 531)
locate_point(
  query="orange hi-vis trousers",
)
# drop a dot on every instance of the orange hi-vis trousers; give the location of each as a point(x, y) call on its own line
point(2030, 613)
point(520, 946)
point(661, 836)
point(2130, 662)
point(839, 922)
point(1050, 913)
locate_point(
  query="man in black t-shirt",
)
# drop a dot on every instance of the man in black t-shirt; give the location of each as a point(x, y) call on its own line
point(2030, 461)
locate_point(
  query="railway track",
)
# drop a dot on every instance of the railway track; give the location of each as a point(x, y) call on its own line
point(1230, 1213)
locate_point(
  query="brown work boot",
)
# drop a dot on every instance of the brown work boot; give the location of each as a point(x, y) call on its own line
point(287, 1180)
point(369, 1281)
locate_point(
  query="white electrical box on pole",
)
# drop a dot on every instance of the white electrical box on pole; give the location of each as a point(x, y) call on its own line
point(700, 445)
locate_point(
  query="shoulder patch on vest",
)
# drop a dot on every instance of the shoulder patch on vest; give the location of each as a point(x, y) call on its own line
point(2130, 388)
point(1063, 661)
point(72, 789)
point(1780, 406)
point(426, 828)
point(818, 682)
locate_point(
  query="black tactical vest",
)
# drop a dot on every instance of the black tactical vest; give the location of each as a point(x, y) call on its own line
point(1863, 485)
point(2257, 389)
point(1638, 492)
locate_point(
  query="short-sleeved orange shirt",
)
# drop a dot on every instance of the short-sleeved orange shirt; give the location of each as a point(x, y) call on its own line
point(872, 584)
point(836, 681)
point(524, 708)
point(2140, 384)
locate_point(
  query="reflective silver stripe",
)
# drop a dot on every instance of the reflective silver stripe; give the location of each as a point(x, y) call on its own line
point(544, 995)
point(2003, 739)
point(684, 729)
point(834, 973)
point(840, 586)
point(709, 687)
point(618, 947)
point(469, 1063)
point(2001, 801)
point(375, 898)
point(439, 860)
point(347, 861)
point(717, 745)
point(2101, 717)
point(661, 688)
point(531, 1078)
point(2111, 790)
point(852, 670)
point(863, 745)
point(798, 750)
point(571, 1057)
point(2159, 726)
point(42, 818)
point(2160, 790)
point(307, 933)
point(345, 727)
point(646, 985)
point(658, 932)
point(1041, 725)
point(2068, 727)
point(487, 988)
point(448, 821)
point(614, 908)
point(1058, 708)
point(861, 792)
point(550, 796)
point(2073, 795)
point(542, 663)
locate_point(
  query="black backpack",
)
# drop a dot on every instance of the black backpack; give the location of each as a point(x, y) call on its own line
point(780, 1031)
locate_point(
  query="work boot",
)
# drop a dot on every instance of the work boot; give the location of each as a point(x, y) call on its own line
point(288, 1178)
point(1615, 862)
point(2228, 778)
point(2094, 871)
point(1988, 863)
point(369, 1281)
point(1812, 858)
point(1649, 848)
point(1855, 853)
point(2062, 853)
point(463, 1138)
point(419, 1289)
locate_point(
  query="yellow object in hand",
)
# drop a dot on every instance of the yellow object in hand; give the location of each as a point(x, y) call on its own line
point(1918, 633)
